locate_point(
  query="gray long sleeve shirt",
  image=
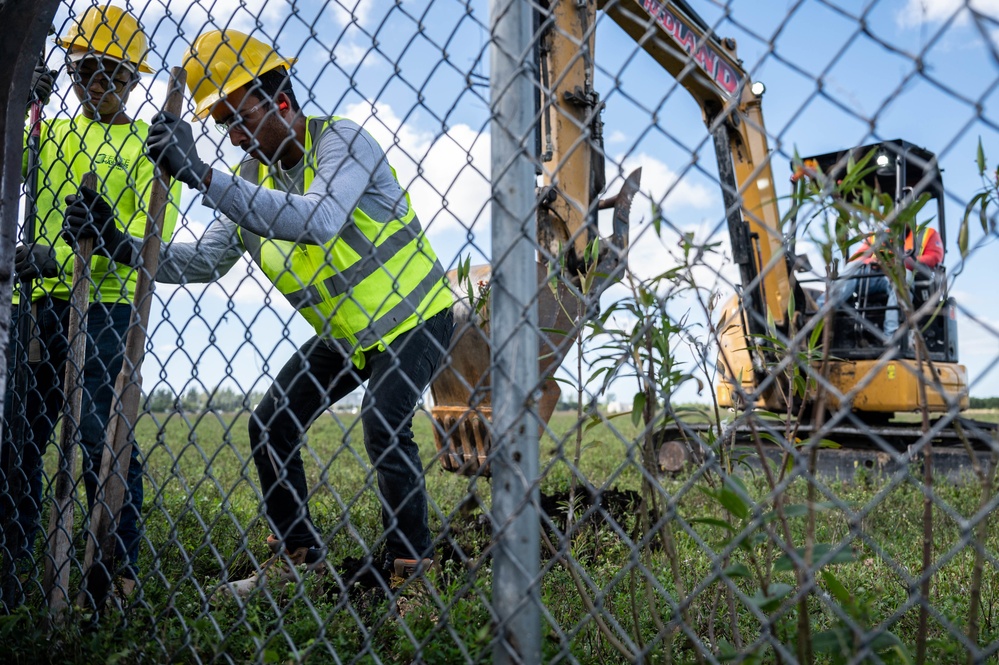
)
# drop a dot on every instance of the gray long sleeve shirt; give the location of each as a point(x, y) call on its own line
point(351, 172)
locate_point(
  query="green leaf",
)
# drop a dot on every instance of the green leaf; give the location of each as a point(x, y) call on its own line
point(733, 503)
point(726, 650)
point(837, 642)
point(980, 199)
point(737, 570)
point(888, 641)
point(822, 443)
point(595, 421)
point(587, 281)
point(736, 481)
point(713, 521)
point(592, 251)
point(816, 336)
point(836, 588)
point(784, 563)
point(462, 271)
point(980, 158)
point(637, 408)
point(771, 601)
point(657, 216)
point(962, 238)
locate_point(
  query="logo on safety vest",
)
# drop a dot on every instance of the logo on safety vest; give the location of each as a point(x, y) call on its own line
point(114, 161)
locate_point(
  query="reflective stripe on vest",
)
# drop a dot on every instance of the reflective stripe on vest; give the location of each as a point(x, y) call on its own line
point(922, 239)
point(371, 283)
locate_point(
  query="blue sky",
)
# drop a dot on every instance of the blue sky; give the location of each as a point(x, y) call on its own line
point(415, 77)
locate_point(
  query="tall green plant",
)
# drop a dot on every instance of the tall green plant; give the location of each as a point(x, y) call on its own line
point(635, 338)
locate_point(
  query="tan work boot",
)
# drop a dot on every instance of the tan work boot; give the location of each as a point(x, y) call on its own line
point(126, 587)
point(284, 566)
point(122, 591)
point(404, 571)
point(410, 584)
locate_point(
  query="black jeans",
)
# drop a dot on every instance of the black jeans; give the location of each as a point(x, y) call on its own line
point(317, 376)
point(43, 404)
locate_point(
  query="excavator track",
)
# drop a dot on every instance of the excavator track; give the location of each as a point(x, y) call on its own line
point(959, 447)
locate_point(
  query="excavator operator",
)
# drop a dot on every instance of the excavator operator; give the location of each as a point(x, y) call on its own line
point(866, 277)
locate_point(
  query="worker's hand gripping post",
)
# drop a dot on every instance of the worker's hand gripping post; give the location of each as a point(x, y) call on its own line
point(99, 562)
point(60, 535)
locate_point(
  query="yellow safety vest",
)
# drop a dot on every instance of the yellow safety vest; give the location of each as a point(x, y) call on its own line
point(371, 283)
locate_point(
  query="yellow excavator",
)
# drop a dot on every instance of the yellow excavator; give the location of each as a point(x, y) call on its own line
point(769, 298)
point(860, 375)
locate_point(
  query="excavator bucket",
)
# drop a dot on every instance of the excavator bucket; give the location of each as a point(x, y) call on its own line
point(462, 410)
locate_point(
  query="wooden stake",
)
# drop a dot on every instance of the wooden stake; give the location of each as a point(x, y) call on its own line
point(56, 579)
point(99, 564)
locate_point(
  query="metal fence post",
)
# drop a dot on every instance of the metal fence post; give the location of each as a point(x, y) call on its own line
point(28, 24)
point(516, 598)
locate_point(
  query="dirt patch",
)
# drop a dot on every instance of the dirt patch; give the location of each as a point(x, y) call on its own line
point(470, 534)
point(592, 508)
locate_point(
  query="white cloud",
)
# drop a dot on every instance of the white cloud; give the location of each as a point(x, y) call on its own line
point(346, 54)
point(446, 175)
point(917, 12)
point(268, 20)
point(615, 136)
point(666, 186)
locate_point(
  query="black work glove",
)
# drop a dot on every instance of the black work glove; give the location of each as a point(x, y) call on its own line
point(170, 145)
point(34, 261)
point(88, 215)
point(42, 83)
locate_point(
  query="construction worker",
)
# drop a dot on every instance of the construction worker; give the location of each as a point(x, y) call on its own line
point(318, 208)
point(922, 253)
point(105, 53)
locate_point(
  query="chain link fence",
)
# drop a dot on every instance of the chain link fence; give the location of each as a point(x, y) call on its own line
point(503, 331)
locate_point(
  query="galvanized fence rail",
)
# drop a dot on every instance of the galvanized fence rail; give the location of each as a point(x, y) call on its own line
point(501, 332)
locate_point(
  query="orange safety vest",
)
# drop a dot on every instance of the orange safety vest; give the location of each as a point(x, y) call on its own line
point(928, 240)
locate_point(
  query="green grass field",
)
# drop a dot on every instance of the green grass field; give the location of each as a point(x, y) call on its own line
point(202, 523)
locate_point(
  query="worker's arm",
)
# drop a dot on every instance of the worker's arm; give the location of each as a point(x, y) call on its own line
point(933, 253)
point(89, 215)
point(204, 260)
point(351, 172)
point(930, 255)
point(863, 254)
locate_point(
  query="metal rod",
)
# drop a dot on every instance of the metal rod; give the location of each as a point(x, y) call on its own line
point(13, 472)
point(98, 565)
point(514, 339)
point(25, 27)
point(60, 538)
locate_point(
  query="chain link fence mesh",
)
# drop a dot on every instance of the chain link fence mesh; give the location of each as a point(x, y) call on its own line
point(766, 352)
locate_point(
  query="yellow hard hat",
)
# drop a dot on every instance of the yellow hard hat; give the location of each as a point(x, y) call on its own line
point(222, 61)
point(111, 31)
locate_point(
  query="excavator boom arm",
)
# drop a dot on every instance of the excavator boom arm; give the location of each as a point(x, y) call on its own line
point(709, 69)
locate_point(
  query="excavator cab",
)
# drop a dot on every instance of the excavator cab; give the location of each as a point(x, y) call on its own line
point(863, 296)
